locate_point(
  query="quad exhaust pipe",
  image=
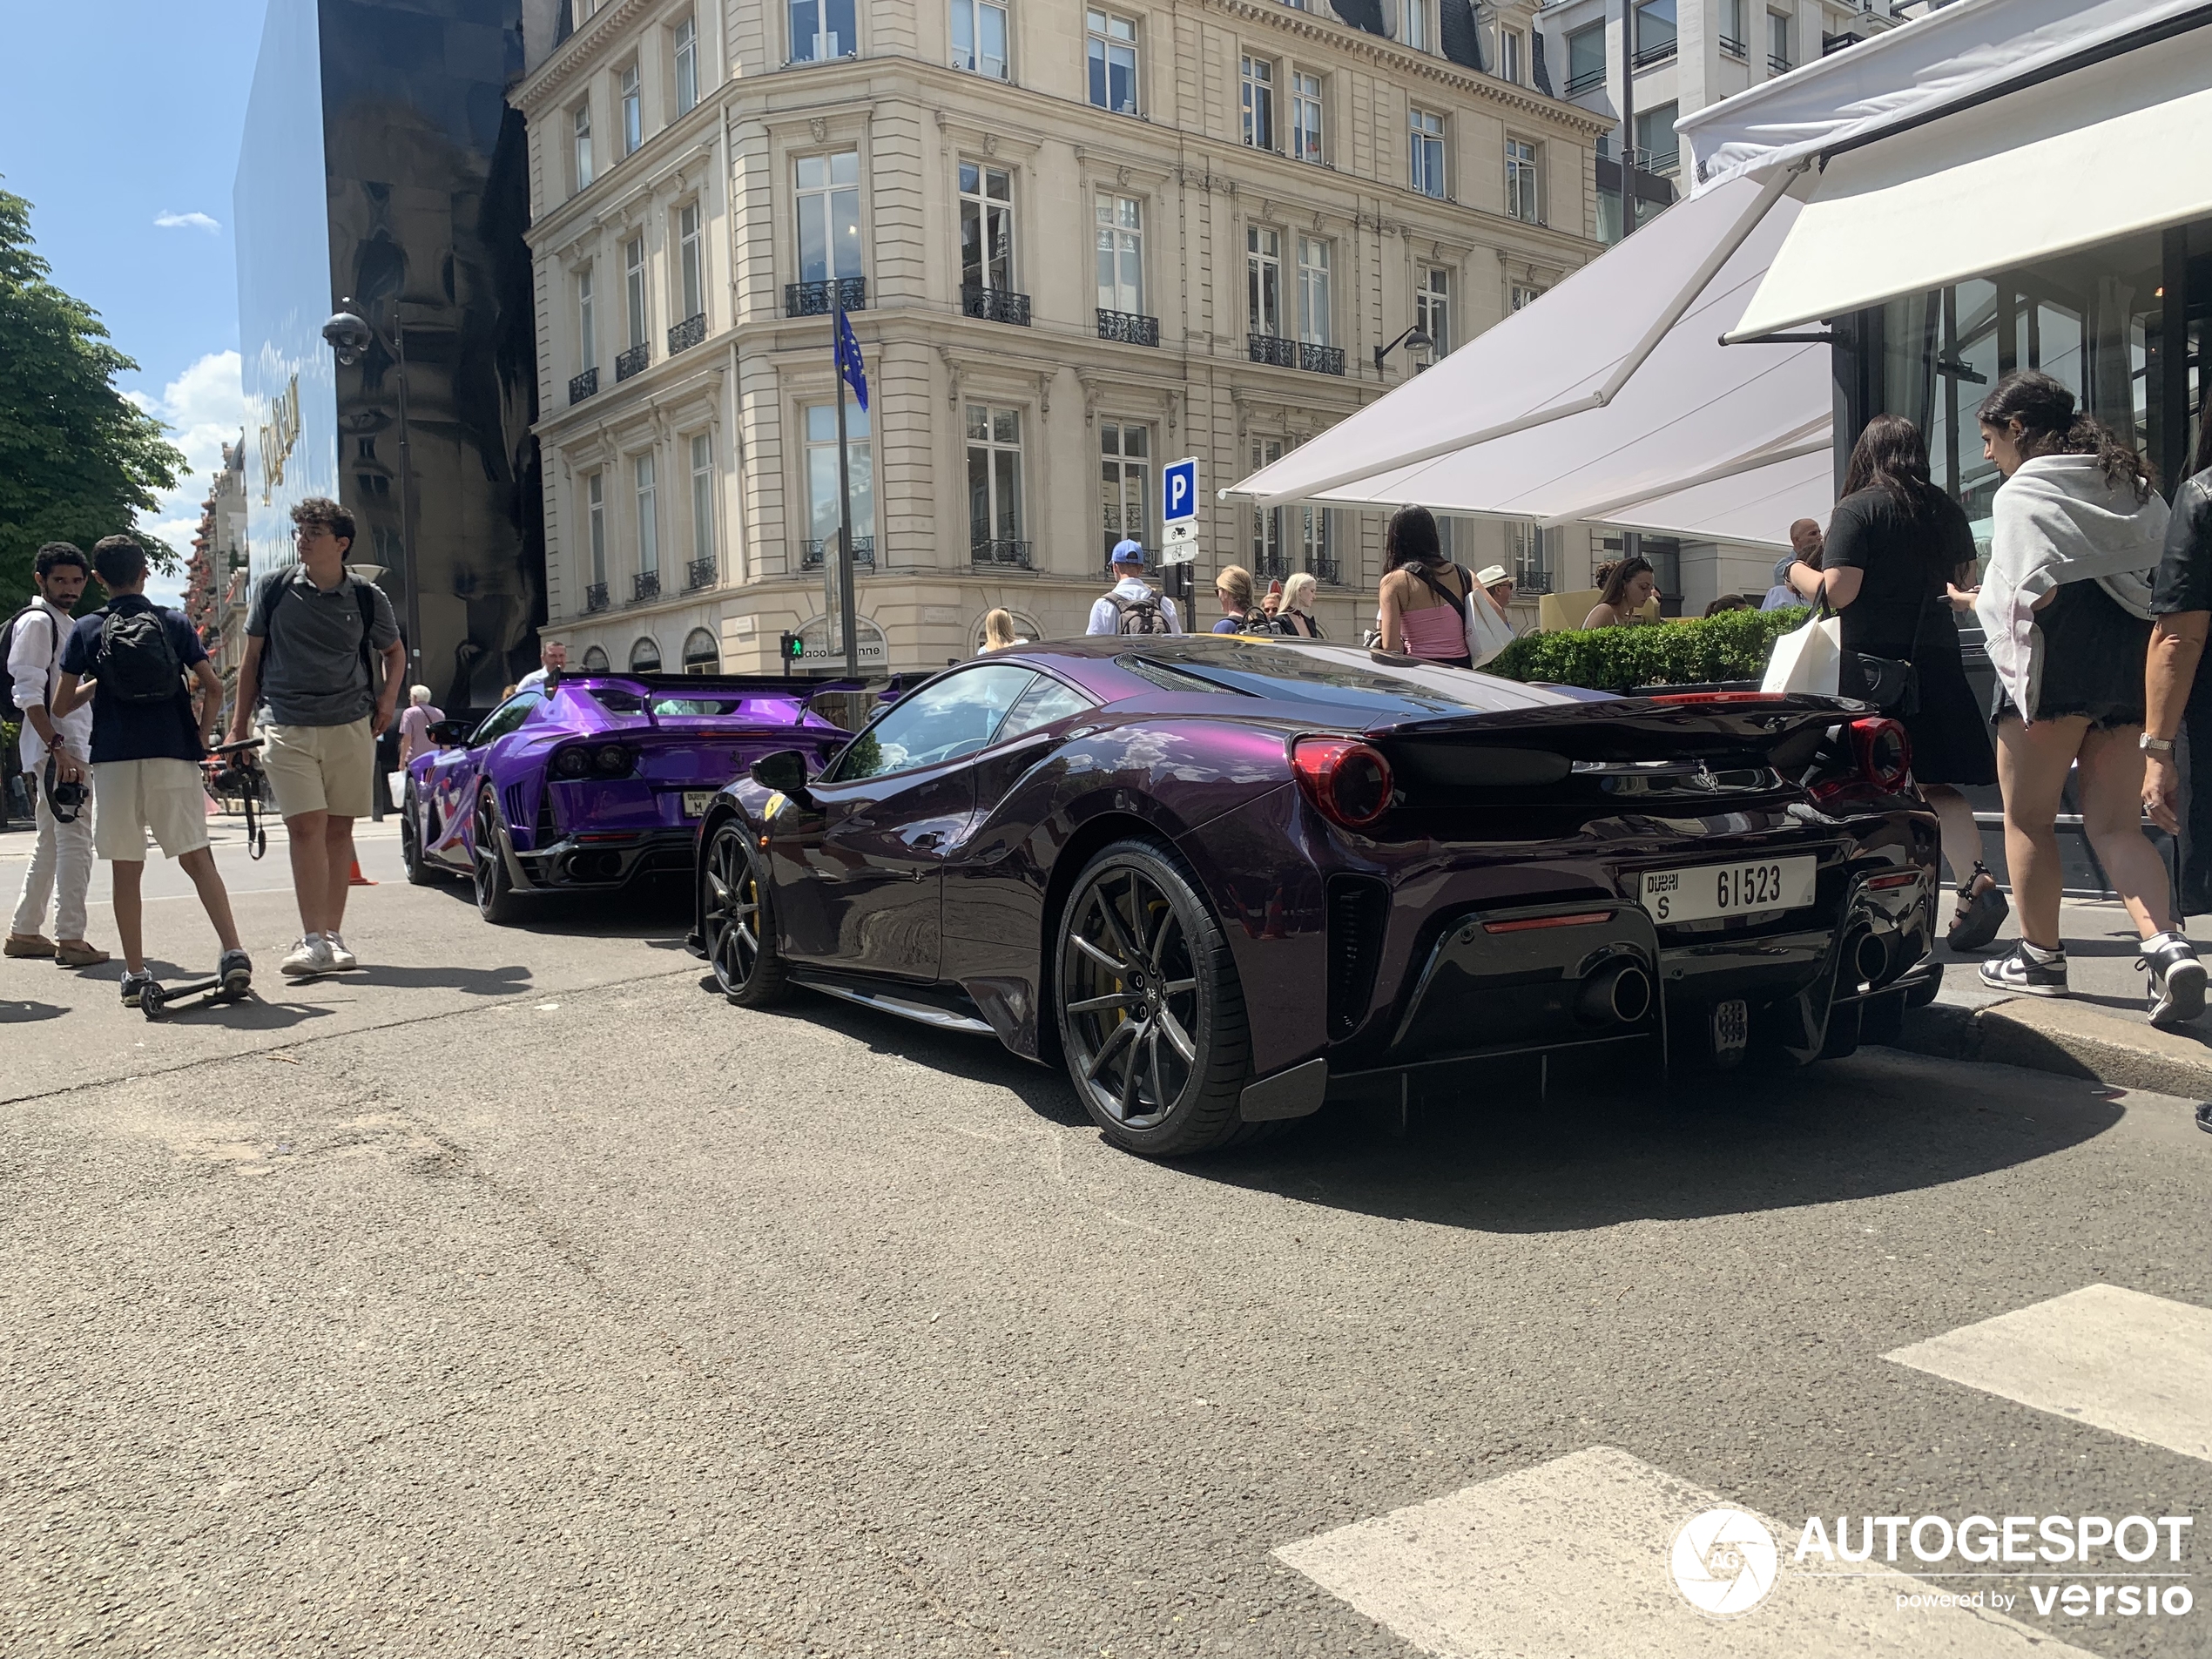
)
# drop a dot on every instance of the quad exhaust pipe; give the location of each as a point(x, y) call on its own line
point(1618, 994)
point(1870, 958)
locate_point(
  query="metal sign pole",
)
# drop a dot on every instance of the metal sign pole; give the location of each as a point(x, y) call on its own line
point(847, 611)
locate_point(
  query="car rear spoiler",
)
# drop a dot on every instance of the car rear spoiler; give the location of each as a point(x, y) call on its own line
point(1667, 725)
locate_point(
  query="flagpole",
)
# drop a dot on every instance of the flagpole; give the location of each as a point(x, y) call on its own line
point(848, 618)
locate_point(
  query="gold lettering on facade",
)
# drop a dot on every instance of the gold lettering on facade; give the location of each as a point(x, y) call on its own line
point(278, 435)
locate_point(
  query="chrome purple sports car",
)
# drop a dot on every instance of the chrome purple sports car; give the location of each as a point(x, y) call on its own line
point(592, 780)
point(1222, 879)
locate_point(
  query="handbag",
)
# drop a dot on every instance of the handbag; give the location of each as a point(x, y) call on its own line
point(1892, 686)
point(1488, 632)
point(1808, 659)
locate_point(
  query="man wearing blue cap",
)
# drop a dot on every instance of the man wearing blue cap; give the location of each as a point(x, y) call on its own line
point(1130, 607)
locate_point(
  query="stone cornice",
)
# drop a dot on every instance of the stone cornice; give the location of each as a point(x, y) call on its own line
point(576, 55)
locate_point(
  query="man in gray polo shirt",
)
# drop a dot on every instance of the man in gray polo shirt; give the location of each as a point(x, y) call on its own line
point(312, 635)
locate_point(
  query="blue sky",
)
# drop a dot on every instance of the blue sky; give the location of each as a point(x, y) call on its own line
point(103, 161)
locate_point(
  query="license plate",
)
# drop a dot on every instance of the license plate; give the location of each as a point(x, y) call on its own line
point(695, 801)
point(1731, 1026)
point(1708, 890)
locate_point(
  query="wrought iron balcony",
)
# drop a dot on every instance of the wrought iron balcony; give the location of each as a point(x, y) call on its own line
point(813, 553)
point(1270, 567)
point(699, 573)
point(582, 386)
point(1587, 80)
point(815, 298)
point(1777, 66)
point(1013, 555)
point(1733, 48)
point(1652, 55)
point(1530, 584)
point(633, 360)
point(1320, 360)
point(1328, 572)
point(595, 598)
point(643, 586)
point(1272, 348)
point(1128, 326)
point(687, 333)
point(995, 305)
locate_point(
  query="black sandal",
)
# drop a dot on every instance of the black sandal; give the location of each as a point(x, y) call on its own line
point(1981, 915)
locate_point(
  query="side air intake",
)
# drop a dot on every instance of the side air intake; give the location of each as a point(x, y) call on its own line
point(1358, 911)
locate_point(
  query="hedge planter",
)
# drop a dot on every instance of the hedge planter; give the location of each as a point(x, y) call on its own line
point(1731, 646)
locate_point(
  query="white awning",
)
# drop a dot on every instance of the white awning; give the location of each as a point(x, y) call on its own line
point(2116, 148)
point(1755, 507)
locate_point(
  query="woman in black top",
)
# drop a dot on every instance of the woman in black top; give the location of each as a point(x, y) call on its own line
point(1895, 545)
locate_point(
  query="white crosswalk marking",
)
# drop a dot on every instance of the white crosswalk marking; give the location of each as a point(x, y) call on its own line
point(1570, 1560)
point(2139, 1365)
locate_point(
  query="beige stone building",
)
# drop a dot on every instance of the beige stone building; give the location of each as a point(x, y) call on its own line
point(1077, 241)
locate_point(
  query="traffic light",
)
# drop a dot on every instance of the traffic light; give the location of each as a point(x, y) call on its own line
point(794, 648)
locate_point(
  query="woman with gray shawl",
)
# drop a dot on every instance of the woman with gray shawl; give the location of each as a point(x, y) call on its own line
point(2076, 530)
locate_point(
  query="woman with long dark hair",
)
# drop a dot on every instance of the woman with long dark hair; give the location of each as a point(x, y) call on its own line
point(2075, 530)
point(1625, 586)
point(1421, 606)
point(1895, 545)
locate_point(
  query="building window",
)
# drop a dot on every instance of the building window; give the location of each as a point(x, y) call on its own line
point(829, 216)
point(1259, 102)
point(1125, 483)
point(1433, 305)
point(1121, 253)
point(1419, 24)
point(1656, 138)
point(1522, 199)
point(1777, 42)
point(687, 66)
point(1286, 539)
point(587, 325)
point(595, 660)
point(1311, 529)
point(1523, 297)
point(1267, 521)
point(595, 492)
point(1263, 279)
point(633, 283)
point(1732, 41)
point(822, 30)
point(702, 501)
point(633, 113)
point(1313, 314)
point(581, 120)
point(1586, 60)
point(1509, 51)
point(979, 38)
point(1531, 567)
point(1112, 50)
point(824, 510)
point(648, 517)
point(691, 259)
point(1425, 160)
point(986, 226)
point(1655, 31)
point(1305, 116)
point(644, 656)
point(701, 656)
point(993, 475)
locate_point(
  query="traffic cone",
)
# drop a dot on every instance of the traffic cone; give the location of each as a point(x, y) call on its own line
point(357, 880)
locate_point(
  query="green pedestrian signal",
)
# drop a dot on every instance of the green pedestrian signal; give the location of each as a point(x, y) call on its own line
point(794, 648)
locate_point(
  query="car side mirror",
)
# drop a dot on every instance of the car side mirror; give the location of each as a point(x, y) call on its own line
point(450, 734)
point(783, 772)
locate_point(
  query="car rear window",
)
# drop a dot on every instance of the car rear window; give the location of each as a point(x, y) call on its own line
point(616, 700)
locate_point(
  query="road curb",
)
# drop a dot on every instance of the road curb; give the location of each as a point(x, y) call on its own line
point(2066, 1038)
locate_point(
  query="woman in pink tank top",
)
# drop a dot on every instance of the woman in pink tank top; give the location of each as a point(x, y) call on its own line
point(1423, 598)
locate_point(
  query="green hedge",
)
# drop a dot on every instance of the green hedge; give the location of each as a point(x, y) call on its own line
point(1731, 646)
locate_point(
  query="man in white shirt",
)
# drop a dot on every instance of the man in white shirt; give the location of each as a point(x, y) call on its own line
point(61, 862)
point(1130, 607)
point(553, 658)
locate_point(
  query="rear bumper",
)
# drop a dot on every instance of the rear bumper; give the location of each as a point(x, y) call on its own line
point(604, 861)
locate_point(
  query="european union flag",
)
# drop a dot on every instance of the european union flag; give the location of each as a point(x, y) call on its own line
point(848, 359)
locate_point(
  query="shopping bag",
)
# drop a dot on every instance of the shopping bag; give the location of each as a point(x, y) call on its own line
point(396, 782)
point(1808, 659)
point(1488, 632)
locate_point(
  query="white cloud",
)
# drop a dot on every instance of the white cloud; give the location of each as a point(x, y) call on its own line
point(187, 222)
point(203, 408)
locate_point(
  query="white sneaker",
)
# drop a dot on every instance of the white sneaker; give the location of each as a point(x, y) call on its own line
point(340, 956)
point(310, 956)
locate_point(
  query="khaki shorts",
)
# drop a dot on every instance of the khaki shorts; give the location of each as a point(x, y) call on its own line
point(132, 798)
point(321, 768)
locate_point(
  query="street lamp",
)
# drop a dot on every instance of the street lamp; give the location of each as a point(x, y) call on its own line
point(349, 337)
point(1418, 346)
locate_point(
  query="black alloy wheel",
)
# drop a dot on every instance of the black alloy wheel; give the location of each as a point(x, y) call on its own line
point(495, 901)
point(418, 868)
point(1151, 1017)
point(734, 919)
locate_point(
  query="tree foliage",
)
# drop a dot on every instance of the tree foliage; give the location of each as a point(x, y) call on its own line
point(1731, 646)
point(77, 459)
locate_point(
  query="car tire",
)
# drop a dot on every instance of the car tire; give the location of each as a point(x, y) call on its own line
point(736, 923)
point(496, 900)
point(1137, 949)
point(420, 870)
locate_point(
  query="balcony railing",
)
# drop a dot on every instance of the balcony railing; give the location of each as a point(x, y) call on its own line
point(1270, 567)
point(1652, 55)
point(1735, 48)
point(643, 586)
point(699, 573)
point(595, 598)
point(1328, 572)
point(1530, 584)
point(813, 553)
point(1127, 326)
point(816, 298)
point(687, 333)
point(582, 386)
point(633, 360)
point(1777, 66)
point(1320, 360)
point(1585, 81)
point(1013, 555)
point(995, 305)
point(1272, 348)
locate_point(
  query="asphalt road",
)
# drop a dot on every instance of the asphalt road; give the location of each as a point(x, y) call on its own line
point(518, 1295)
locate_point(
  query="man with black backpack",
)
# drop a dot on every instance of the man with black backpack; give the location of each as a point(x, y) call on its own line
point(130, 660)
point(313, 631)
point(57, 763)
point(1130, 607)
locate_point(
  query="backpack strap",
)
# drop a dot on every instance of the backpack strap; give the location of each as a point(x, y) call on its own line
point(1456, 601)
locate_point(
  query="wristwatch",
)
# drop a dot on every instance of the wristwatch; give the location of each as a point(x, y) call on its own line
point(2151, 746)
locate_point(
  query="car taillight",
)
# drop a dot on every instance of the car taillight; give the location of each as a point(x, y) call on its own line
point(572, 763)
point(1348, 781)
point(1883, 752)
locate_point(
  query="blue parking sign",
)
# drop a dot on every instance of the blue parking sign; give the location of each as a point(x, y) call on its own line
point(1179, 491)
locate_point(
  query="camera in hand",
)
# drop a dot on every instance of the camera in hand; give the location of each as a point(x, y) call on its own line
point(66, 800)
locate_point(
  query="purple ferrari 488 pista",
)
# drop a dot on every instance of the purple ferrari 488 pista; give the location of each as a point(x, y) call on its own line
point(1221, 879)
point(594, 779)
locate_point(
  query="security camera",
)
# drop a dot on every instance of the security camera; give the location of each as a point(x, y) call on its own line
point(347, 335)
